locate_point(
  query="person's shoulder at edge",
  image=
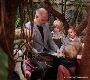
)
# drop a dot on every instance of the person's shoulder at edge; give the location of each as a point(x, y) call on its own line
point(47, 25)
point(27, 25)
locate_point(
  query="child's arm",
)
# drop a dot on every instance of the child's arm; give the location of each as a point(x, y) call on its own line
point(25, 69)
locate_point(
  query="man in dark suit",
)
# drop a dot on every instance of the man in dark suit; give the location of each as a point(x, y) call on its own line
point(42, 40)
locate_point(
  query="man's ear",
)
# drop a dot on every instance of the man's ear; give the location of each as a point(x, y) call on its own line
point(36, 16)
point(75, 33)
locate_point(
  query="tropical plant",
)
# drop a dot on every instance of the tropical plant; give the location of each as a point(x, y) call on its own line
point(3, 65)
point(26, 14)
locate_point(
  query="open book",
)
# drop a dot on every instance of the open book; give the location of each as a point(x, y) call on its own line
point(57, 55)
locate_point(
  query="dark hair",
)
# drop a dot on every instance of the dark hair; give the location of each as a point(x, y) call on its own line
point(73, 28)
point(82, 34)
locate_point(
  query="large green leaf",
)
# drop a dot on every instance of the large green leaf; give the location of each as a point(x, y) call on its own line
point(3, 65)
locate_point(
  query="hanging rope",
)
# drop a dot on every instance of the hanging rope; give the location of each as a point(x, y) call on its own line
point(32, 20)
point(30, 13)
point(27, 4)
point(22, 17)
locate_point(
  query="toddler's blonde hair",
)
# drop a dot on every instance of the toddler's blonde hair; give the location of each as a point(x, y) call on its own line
point(70, 52)
point(58, 24)
point(78, 47)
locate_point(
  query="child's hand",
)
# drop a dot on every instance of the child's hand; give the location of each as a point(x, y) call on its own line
point(27, 72)
point(27, 61)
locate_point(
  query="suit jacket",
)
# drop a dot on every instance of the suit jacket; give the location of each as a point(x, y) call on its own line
point(38, 42)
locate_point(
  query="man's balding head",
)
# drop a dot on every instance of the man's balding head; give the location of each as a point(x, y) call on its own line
point(41, 17)
point(41, 11)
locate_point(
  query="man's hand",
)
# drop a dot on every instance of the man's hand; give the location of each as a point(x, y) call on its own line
point(47, 58)
point(59, 51)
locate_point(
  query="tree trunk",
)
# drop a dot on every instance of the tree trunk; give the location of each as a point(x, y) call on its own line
point(84, 70)
point(8, 28)
point(82, 25)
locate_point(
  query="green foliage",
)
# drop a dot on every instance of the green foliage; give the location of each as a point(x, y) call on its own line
point(18, 42)
point(3, 65)
point(78, 7)
point(26, 15)
point(17, 23)
point(37, 5)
